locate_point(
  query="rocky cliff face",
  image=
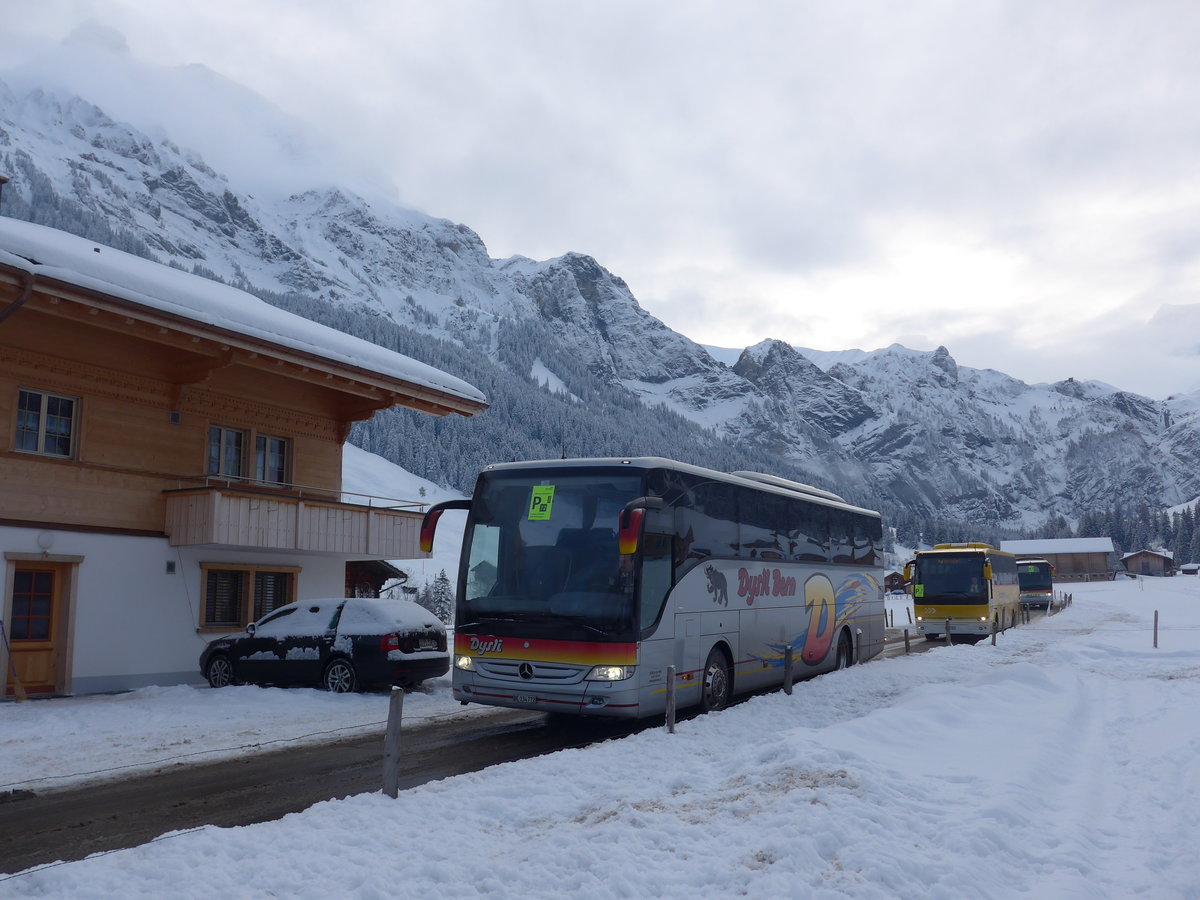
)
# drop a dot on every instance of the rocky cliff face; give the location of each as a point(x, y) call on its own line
point(910, 428)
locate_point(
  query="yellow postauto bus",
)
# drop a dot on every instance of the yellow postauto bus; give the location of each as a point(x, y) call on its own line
point(964, 589)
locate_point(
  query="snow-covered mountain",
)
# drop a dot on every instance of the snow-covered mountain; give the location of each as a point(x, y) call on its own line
point(909, 430)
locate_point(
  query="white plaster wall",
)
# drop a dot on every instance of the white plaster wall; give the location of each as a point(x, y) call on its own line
point(135, 624)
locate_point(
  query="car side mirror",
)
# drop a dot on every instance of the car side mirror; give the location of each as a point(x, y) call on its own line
point(250, 628)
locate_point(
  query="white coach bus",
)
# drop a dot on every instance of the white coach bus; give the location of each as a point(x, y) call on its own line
point(582, 581)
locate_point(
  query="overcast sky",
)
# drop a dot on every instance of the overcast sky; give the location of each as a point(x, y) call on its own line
point(1014, 180)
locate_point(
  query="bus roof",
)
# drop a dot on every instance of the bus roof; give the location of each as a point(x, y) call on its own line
point(768, 483)
point(979, 549)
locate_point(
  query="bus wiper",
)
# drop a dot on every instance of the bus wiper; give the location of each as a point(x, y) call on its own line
point(509, 616)
point(592, 628)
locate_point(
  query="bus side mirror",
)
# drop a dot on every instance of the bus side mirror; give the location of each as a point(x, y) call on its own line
point(629, 523)
point(429, 523)
point(908, 573)
point(987, 571)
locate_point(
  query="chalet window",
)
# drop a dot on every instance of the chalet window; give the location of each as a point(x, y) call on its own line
point(271, 459)
point(271, 590)
point(226, 451)
point(224, 598)
point(46, 423)
point(235, 596)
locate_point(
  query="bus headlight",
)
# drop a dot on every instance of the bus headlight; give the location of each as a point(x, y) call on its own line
point(920, 618)
point(465, 663)
point(610, 673)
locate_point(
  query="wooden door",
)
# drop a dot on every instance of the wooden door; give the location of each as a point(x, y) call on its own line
point(33, 624)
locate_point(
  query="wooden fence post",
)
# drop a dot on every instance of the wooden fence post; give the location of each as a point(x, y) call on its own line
point(787, 670)
point(670, 699)
point(391, 744)
point(906, 647)
point(948, 641)
point(1156, 629)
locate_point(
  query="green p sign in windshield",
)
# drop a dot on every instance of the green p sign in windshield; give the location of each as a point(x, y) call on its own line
point(541, 502)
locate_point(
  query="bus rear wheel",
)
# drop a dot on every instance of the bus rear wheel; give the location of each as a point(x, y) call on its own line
point(715, 691)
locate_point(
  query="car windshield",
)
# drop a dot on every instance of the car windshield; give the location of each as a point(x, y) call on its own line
point(950, 579)
point(542, 551)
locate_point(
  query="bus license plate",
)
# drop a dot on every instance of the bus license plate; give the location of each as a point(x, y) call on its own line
point(525, 698)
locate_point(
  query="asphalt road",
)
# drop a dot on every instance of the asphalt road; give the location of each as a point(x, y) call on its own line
point(69, 825)
point(72, 824)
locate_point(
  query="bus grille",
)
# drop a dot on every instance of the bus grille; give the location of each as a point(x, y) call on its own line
point(510, 670)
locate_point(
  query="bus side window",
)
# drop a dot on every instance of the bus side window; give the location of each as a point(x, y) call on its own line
point(868, 542)
point(485, 552)
point(764, 525)
point(712, 520)
point(841, 536)
point(809, 532)
point(657, 577)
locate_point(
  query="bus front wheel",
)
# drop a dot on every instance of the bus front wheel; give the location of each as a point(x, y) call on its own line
point(717, 685)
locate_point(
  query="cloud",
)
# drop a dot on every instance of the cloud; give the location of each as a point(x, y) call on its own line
point(833, 175)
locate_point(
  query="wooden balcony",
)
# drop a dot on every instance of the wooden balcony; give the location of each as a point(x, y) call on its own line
point(241, 518)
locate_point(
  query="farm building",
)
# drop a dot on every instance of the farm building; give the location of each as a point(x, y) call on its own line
point(1149, 562)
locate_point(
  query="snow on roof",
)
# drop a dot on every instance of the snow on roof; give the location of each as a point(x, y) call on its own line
point(1059, 545)
point(48, 252)
point(1165, 554)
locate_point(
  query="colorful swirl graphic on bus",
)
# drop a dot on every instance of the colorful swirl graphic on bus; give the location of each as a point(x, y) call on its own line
point(827, 609)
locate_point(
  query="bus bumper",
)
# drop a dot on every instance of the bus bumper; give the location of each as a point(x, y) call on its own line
point(956, 626)
point(609, 700)
point(1037, 601)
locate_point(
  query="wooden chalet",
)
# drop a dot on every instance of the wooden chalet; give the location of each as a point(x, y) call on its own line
point(170, 462)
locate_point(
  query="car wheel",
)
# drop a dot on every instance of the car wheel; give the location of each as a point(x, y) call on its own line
point(843, 652)
point(219, 671)
point(715, 691)
point(340, 677)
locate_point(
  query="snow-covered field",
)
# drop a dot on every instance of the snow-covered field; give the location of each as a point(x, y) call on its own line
point(1063, 762)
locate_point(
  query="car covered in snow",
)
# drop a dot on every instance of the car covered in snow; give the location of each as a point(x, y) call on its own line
point(342, 644)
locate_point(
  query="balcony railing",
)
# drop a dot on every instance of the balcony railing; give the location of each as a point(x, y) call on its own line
point(295, 519)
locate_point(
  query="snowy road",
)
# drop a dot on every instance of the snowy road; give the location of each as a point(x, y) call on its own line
point(1063, 762)
point(260, 787)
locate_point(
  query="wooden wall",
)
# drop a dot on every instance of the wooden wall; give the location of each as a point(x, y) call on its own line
point(127, 448)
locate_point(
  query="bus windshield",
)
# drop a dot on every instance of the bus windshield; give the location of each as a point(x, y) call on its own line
point(952, 579)
point(1035, 576)
point(541, 551)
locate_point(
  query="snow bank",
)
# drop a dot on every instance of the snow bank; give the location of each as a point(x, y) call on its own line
point(1059, 763)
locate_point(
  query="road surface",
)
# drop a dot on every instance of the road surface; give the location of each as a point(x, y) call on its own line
point(73, 824)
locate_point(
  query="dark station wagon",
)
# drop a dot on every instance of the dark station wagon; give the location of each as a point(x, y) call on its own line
point(343, 644)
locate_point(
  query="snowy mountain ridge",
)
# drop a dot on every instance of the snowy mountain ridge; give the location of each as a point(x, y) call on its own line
point(911, 430)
